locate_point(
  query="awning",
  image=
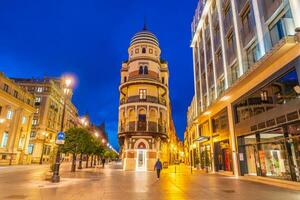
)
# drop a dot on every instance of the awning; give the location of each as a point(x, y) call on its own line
point(201, 139)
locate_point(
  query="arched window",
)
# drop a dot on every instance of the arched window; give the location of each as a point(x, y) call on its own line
point(145, 70)
point(143, 50)
point(141, 70)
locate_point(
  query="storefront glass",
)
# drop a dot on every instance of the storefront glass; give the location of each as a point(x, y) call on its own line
point(205, 155)
point(222, 156)
point(273, 154)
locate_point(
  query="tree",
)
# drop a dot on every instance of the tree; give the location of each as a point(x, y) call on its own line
point(76, 141)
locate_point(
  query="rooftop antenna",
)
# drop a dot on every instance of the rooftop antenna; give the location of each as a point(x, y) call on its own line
point(145, 28)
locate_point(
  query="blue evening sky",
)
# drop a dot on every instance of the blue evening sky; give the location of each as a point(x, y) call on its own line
point(89, 38)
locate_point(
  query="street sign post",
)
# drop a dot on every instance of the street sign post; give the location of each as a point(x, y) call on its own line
point(60, 138)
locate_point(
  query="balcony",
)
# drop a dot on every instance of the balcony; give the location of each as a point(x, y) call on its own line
point(142, 126)
point(150, 76)
point(149, 99)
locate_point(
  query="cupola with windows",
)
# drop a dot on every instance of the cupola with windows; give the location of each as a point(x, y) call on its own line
point(144, 44)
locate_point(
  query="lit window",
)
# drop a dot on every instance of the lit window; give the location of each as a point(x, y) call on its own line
point(21, 142)
point(34, 122)
point(32, 134)
point(39, 89)
point(4, 139)
point(264, 95)
point(38, 99)
point(23, 120)
point(10, 114)
point(143, 94)
point(30, 149)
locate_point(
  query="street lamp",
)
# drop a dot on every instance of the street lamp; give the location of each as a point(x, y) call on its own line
point(103, 141)
point(96, 134)
point(66, 87)
point(45, 135)
point(2, 121)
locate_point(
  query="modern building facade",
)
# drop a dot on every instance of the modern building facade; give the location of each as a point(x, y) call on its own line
point(145, 121)
point(46, 123)
point(16, 114)
point(246, 74)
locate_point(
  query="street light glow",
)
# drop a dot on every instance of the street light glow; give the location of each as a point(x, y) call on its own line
point(96, 134)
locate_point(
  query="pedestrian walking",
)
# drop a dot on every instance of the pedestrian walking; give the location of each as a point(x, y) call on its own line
point(158, 168)
point(103, 162)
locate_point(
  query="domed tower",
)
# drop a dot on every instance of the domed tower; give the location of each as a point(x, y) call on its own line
point(144, 111)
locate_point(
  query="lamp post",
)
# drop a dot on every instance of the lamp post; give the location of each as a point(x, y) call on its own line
point(45, 135)
point(67, 84)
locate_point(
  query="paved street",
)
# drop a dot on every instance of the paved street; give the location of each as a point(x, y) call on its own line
point(27, 182)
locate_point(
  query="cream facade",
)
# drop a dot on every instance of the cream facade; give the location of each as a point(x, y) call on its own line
point(246, 74)
point(47, 120)
point(145, 122)
point(16, 114)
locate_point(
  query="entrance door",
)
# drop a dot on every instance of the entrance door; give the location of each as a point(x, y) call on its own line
point(141, 162)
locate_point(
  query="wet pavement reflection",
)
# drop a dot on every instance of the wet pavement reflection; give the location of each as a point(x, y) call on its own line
point(27, 182)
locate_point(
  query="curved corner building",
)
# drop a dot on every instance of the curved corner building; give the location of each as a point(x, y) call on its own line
point(144, 111)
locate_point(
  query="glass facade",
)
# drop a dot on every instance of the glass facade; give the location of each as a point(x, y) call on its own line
point(271, 150)
point(279, 91)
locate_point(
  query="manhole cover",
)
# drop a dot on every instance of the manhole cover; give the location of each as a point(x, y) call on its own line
point(16, 197)
point(229, 191)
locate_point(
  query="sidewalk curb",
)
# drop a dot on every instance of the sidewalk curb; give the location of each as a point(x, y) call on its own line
point(265, 180)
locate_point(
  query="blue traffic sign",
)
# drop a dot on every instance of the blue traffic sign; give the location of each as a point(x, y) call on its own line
point(61, 136)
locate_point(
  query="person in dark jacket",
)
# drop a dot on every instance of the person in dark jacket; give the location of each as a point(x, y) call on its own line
point(158, 168)
point(103, 162)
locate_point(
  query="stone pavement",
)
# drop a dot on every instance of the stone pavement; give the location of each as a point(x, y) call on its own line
point(111, 183)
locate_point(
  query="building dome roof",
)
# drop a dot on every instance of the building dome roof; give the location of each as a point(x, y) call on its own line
point(144, 36)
